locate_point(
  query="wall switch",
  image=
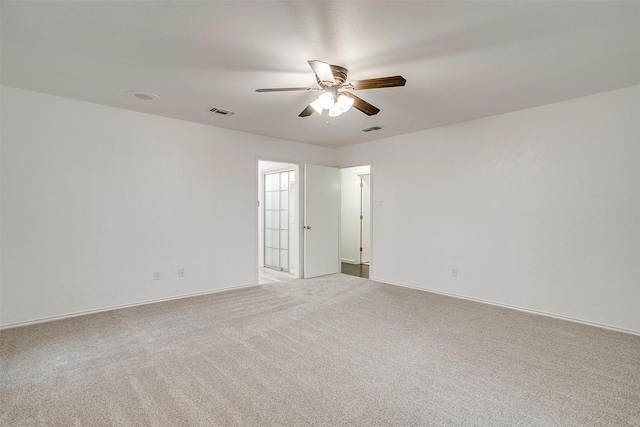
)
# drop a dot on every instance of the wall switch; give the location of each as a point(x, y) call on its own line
point(454, 272)
point(156, 275)
point(181, 272)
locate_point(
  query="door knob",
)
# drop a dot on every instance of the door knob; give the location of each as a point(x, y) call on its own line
point(308, 227)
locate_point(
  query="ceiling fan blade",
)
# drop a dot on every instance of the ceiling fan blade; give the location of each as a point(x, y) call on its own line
point(286, 89)
point(323, 71)
point(307, 111)
point(376, 83)
point(363, 105)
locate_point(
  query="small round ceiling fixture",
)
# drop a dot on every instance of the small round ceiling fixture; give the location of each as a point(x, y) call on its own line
point(142, 95)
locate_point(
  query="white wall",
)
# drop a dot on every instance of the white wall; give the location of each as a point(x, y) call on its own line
point(350, 213)
point(538, 209)
point(94, 199)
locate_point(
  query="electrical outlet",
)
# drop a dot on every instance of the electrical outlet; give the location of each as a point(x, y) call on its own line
point(454, 272)
point(156, 275)
point(181, 272)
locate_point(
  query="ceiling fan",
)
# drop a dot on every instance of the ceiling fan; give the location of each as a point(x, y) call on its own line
point(335, 96)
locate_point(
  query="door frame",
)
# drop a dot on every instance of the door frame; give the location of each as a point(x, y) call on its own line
point(371, 213)
point(362, 214)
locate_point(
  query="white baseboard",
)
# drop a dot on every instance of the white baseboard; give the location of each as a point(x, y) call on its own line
point(514, 307)
point(117, 307)
point(349, 261)
point(389, 282)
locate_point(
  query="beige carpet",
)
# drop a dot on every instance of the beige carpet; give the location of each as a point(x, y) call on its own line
point(338, 350)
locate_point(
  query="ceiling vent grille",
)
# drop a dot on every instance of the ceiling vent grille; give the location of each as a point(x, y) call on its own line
point(221, 111)
point(371, 129)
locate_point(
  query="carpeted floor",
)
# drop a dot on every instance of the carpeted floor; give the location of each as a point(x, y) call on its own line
point(338, 350)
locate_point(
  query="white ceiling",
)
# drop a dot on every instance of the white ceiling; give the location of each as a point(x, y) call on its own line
point(462, 60)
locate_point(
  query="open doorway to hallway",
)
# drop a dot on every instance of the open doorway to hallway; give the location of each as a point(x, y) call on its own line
point(355, 220)
point(278, 229)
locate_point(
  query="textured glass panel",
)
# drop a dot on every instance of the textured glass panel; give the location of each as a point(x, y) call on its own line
point(268, 235)
point(271, 219)
point(271, 181)
point(271, 238)
point(271, 200)
point(274, 257)
point(274, 220)
point(267, 257)
point(268, 219)
point(277, 196)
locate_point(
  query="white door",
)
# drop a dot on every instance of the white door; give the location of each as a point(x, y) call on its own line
point(365, 254)
point(321, 221)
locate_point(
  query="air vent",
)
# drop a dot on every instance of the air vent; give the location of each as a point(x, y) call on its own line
point(371, 129)
point(221, 111)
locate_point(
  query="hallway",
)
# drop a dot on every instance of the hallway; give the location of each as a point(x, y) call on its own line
point(359, 270)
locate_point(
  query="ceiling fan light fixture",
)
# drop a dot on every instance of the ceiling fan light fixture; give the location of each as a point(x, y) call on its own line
point(345, 102)
point(326, 100)
point(336, 110)
point(316, 106)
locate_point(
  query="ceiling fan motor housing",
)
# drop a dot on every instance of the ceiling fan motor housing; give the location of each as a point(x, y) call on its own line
point(339, 75)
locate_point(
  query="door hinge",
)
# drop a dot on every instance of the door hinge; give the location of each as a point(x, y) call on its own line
point(361, 185)
point(360, 249)
point(361, 217)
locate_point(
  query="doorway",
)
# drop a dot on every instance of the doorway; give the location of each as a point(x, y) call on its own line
point(282, 232)
point(355, 221)
point(278, 236)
